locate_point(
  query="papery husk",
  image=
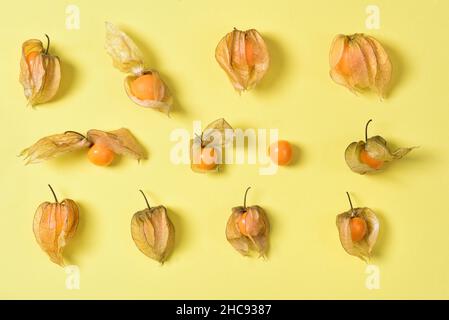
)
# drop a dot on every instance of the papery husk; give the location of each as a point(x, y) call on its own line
point(363, 248)
point(120, 141)
point(231, 56)
point(207, 139)
point(153, 233)
point(194, 161)
point(377, 148)
point(41, 78)
point(163, 101)
point(258, 231)
point(54, 225)
point(385, 68)
point(125, 54)
point(360, 62)
point(220, 126)
point(54, 145)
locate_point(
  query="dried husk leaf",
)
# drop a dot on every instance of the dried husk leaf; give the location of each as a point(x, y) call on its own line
point(338, 47)
point(370, 57)
point(40, 78)
point(383, 75)
point(363, 248)
point(377, 148)
point(217, 128)
point(54, 145)
point(258, 229)
point(54, 225)
point(231, 56)
point(120, 141)
point(163, 102)
point(125, 54)
point(359, 62)
point(153, 233)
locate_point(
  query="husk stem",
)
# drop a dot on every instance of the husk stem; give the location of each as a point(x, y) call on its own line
point(350, 203)
point(244, 199)
point(48, 43)
point(54, 194)
point(76, 132)
point(366, 129)
point(146, 200)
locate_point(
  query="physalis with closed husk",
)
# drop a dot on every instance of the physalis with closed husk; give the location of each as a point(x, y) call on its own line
point(40, 72)
point(372, 154)
point(103, 146)
point(206, 150)
point(359, 62)
point(143, 86)
point(248, 229)
point(55, 225)
point(153, 232)
point(244, 56)
point(358, 229)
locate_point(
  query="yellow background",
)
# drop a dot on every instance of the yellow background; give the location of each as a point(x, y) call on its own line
point(321, 118)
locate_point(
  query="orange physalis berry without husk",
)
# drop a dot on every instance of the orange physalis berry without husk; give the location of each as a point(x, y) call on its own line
point(280, 152)
point(100, 154)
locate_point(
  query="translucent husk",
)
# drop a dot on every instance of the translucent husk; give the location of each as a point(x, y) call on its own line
point(360, 62)
point(125, 54)
point(257, 229)
point(120, 141)
point(377, 148)
point(195, 157)
point(219, 127)
point(127, 57)
point(153, 232)
point(363, 248)
point(40, 79)
point(231, 56)
point(51, 146)
point(162, 102)
point(54, 225)
point(213, 136)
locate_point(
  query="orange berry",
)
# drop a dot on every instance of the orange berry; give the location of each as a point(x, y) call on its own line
point(358, 228)
point(31, 56)
point(370, 161)
point(207, 159)
point(241, 223)
point(280, 152)
point(144, 87)
point(100, 154)
point(249, 53)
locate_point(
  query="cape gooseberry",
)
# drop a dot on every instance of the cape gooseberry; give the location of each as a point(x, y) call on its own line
point(280, 152)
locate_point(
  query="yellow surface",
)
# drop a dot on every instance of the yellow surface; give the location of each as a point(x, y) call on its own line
point(298, 97)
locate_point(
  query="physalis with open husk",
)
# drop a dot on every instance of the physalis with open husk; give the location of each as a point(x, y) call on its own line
point(248, 229)
point(372, 154)
point(153, 232)
point(143, 86)
point(358, 229)
point(54, 225)
point(244, 56)
point(206, 150)
point(40, 72)
point(103, 146)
